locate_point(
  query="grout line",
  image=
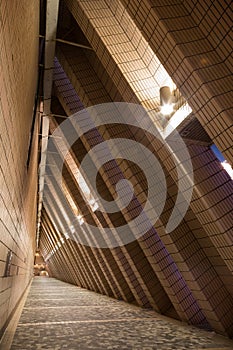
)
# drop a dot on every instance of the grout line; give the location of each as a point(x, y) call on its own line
point(7, 338)
point(88, 321)
point(53, 299)
point(82, 294)
point(65, 307)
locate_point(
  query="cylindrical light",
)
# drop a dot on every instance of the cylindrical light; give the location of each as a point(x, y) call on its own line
point(166, 100)
point(165, 95)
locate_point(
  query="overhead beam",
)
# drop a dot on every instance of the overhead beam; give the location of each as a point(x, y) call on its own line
point(50, 45)
point(72, 43)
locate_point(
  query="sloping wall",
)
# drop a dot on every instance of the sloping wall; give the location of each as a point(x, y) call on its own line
point(186, 273)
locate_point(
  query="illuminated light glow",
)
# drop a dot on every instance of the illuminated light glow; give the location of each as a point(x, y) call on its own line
point(228, 168)
point(86, 193)
point(169, 82)
point(80, 219)
point(82, 183)
point(166, 109)
point(72, 229)
point(66, 235)
point(62, 240)
point(94, 206)
point(181, 114)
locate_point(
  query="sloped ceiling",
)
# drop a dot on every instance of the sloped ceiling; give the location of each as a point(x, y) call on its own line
point(104, 56)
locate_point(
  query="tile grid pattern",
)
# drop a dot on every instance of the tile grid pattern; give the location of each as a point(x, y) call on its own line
point(197, 55)
point(222, 179)
point(18, 74)
point(70, 317)
point(145, 246)
point(132, 279)
point(120, 14)
point(213, 71)
point(152, 252)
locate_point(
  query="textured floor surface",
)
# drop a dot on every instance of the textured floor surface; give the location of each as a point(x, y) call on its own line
point(58, 316)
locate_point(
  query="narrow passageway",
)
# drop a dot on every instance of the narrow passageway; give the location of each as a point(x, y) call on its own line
point(58, 315)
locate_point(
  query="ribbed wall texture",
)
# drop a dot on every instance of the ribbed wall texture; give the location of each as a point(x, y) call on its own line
point(18, 183)
point(186, 274)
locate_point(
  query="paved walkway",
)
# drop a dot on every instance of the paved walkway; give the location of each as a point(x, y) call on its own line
point(58, 315)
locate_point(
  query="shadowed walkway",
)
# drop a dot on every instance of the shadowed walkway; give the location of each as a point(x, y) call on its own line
point(58, 315)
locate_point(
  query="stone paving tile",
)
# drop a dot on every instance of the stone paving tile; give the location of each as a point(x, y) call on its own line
point(80, 313)
point(61, 316)
point(66, 302)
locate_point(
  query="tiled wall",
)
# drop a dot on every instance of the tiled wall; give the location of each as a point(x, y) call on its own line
point(62, 84)
point(197, 54)
point(187, 273)
point(69, 99)
point(18, 183)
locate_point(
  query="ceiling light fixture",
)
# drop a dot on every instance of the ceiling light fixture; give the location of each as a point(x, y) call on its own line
point(166, 100)
point(166, 109)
